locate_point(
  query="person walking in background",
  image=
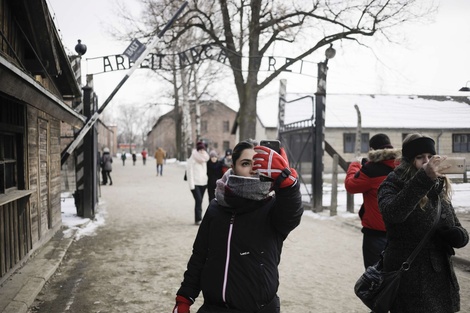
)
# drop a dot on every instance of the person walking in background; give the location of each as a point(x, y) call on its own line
point(227, 161)
point(408, 200)
point(238, 246)
point(196, 173)
point(123, 158)
point(214, 172)
point(134, 157)
point(144, 155)
point(106, 167)
point(366, 179)
point(160, 156)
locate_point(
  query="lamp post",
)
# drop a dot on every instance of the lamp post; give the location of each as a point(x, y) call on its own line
point(319, 142)
point(77, 61)
point(466, 88)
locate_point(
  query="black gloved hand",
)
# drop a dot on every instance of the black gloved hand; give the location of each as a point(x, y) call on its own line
point(364, 161)
point(453, 236)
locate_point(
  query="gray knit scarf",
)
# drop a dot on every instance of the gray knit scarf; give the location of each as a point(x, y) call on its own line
point(233, 186)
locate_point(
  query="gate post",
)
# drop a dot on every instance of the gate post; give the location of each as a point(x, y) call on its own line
point(89, 158)
point(319, 144)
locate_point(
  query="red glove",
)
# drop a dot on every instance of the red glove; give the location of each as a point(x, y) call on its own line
point(271, 164)
point(182, 305)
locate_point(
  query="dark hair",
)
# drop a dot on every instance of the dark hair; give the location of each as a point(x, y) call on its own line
point(242, 145)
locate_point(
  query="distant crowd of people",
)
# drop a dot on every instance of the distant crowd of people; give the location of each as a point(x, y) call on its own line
point(106, 162)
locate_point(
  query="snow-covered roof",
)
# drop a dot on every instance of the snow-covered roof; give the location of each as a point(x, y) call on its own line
point(383, 111)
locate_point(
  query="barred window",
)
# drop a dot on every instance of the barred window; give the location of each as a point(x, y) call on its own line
point(460, 142)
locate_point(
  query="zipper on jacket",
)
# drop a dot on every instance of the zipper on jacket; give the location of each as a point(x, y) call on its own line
point(227, 260)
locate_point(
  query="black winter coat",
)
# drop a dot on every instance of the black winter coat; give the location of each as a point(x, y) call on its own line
point(237, 251)
point(430, 285)
point(214, 172)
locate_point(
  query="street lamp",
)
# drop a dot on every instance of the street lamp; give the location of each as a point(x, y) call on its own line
point(466, 88)
point(80, 48)
point(330, 53)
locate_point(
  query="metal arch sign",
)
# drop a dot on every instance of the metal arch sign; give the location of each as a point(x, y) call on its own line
point(194, 55)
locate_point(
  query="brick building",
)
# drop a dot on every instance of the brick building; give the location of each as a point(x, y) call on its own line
point(216, 125)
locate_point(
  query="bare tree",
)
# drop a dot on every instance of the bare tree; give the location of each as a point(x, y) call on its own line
point(246, 29)
point(189, 83)
point(129, 121)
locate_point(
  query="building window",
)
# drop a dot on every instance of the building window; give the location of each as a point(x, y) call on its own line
point(461, 143)
point(8, 162)
point(349, 143)
point(12, 126)
point(204, 126)
point(226, 145)
point(226, 126)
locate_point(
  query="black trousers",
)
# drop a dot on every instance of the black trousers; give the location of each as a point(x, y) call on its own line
point(198, 194)
point(106, 176)
point(372, 247)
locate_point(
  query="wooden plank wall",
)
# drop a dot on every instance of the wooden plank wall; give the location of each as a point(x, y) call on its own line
point(55, 174)
point(15, 241)
point(43, 187)
point(33, 171)
point(26, 224)
point(44, 173)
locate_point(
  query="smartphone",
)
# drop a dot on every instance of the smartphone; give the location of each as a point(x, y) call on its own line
point(458, 165)
point(272, 144)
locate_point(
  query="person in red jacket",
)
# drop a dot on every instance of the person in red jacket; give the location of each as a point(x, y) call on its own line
point(144, 155)
point(366, 178)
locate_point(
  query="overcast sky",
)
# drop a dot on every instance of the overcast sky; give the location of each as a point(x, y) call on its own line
point(433, 59)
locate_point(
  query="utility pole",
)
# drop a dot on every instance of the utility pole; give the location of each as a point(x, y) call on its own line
point(358, 132)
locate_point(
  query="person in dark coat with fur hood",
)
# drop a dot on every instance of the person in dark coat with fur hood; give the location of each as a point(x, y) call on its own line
point(239, 242)
point(106, 164)
point(408, 200)
point(366, 179)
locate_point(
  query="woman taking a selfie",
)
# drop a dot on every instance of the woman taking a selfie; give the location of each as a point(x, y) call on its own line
point(238, 246)
point(408, 200)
